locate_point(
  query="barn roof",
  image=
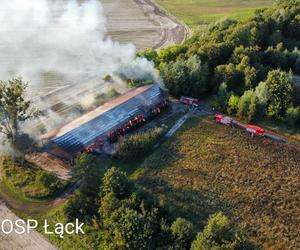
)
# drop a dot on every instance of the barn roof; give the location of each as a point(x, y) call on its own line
point(83, 131)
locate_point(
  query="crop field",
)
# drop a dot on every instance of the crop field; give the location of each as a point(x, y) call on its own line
point(200, 12)
point(126, 23)
point(208, 167)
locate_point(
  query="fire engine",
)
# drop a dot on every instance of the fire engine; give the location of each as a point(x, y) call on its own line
point(254, 130)
point(189, 101)
point(223, 119)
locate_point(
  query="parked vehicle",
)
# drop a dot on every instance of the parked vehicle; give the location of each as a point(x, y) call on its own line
point(254, 130)
point(189, 101)
point(223, 119)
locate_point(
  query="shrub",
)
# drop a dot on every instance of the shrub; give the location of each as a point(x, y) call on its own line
point(132, 148)
point(219, 233)
point(49, 180)
point(183, 232)
point(292, 116)
point(232, 105)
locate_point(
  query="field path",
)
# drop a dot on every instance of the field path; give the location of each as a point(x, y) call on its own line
point(14, 241)
point(173, 31)
point(143, 23)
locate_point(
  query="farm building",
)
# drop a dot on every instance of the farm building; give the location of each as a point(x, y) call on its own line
point(104, 121)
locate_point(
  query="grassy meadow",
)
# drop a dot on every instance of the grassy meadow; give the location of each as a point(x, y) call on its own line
point(208, 168)
point(201, 12)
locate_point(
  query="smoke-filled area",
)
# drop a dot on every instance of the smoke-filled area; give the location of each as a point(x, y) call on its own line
point(61, 48)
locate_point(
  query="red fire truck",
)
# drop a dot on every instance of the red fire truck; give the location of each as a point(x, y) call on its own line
point(223, 119)
point(254, 130)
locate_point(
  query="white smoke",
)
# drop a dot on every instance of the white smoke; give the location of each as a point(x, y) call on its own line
point(54, 43)
point(139, 69)
point(66, 38)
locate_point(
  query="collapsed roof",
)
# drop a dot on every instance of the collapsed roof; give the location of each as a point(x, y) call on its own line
point(85, 130)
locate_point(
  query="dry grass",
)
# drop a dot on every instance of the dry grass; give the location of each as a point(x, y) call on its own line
point(208, 167)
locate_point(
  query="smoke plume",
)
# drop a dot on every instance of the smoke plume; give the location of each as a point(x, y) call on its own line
point(66, 38)
point(58, 43)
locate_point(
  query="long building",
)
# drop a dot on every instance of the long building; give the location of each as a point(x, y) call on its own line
point(84, 131)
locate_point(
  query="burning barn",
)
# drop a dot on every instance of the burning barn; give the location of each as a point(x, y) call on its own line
point(109, 121)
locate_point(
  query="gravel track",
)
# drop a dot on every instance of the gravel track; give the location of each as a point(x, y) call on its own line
point(14, 241)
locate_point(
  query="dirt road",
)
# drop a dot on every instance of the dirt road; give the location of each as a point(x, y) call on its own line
point(173, 31)
point(143, 23)
point(14, 241)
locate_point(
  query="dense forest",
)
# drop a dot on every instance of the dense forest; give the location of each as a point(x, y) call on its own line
point(248, 66)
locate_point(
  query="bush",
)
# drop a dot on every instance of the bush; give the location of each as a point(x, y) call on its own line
point(134, 147)
point(232, 105)
point(292, 116)
point(219, 233)
point(49, 180)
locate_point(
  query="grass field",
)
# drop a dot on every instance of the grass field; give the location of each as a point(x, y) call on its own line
point(208, 168)
point(29, 183)
point(200, 12)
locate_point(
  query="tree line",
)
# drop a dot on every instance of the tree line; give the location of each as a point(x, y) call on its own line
point(248, 66)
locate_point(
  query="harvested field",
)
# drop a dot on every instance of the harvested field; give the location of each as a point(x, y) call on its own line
point(142, 23)
point(208, 167)
point(31, 241)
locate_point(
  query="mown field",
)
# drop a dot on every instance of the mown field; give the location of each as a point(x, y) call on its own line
point(208, 168)
point(199, 12)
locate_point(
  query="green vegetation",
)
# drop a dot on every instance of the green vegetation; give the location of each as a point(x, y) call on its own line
point(207, 168)
point(247, 66)
point(87, 172)
point(118, 214)
point(14, 110)
point(220, 234)
point(28, 182)
point(199, 12)
point(134, 147)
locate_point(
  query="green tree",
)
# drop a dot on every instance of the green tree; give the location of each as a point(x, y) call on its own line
point(220, 234)
point(223, 96)
point(15, 108)
point(171, 53)
point(249, 72)
point(183, 231)
point(129, 229)
point(150, 54)
point(186, 77)
point(115, 181)
point(292, 116)
point(247, 105)
point(232, 105)
point(231, 76)
point(280, 90)
point(87, 173)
